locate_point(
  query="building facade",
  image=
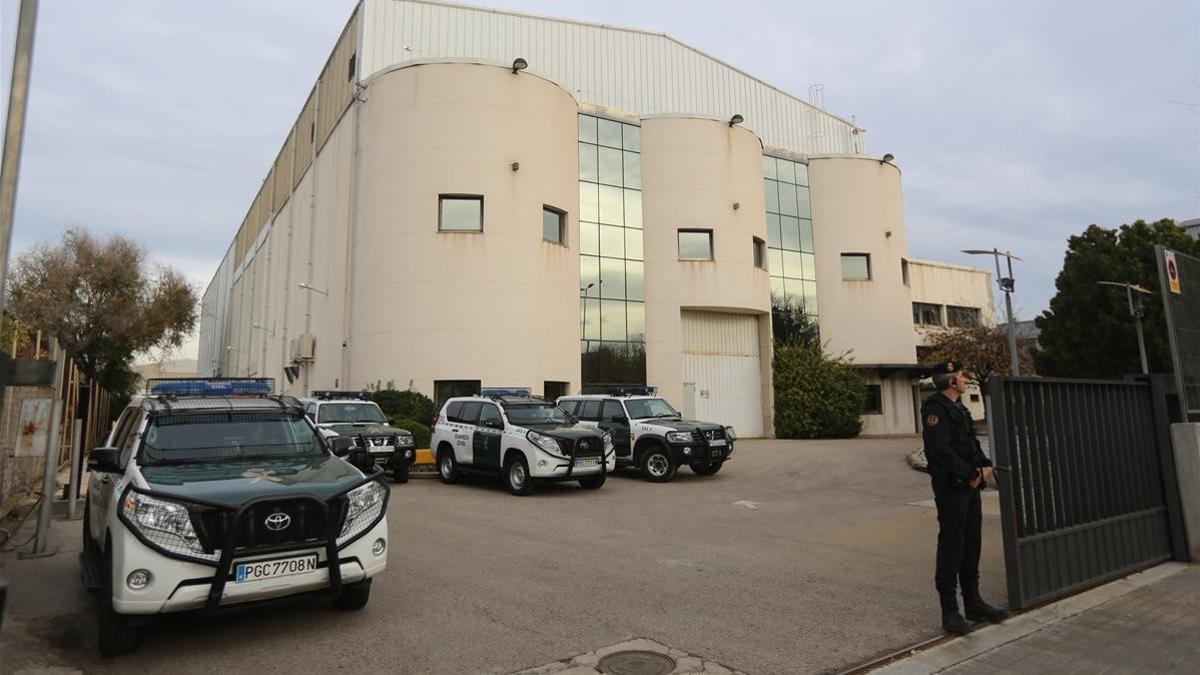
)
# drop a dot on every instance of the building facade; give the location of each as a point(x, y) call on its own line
point(474, 198)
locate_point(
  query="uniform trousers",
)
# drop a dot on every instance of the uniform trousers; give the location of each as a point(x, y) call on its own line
point(960, 520)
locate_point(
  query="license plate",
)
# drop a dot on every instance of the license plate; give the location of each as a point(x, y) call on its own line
point(280, 567)
point(587, 461)
point(717, 442)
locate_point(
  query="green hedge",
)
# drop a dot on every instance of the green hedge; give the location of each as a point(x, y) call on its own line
point(419, 431)
point(409, 405)
point(816, 396)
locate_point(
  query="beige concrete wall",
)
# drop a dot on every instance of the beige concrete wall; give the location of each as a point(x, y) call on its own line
point(947, 284)
point(856, 203)
point(693, 172)
point(501, 306)
point(899, 414)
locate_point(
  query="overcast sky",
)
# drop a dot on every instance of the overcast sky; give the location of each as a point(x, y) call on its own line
point(1016, 123)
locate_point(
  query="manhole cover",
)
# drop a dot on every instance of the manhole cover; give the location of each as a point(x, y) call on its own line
point(637, 663)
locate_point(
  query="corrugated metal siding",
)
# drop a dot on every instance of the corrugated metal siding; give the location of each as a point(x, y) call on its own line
point(642, 73)
point(721, 358)
point(304, 131)
point(335, 87)
point(282, 173)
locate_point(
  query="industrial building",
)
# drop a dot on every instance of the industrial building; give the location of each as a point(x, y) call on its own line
point(472, 197)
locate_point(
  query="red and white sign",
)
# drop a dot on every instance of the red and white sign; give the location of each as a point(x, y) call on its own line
point(1172, 272)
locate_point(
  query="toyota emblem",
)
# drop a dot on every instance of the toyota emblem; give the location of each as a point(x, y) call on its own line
point(277, 522)
point(583, 445)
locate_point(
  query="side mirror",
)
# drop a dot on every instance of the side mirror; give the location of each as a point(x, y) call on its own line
point(341, 445)
point(104, 460)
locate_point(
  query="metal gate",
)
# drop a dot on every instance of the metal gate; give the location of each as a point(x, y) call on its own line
point(1090, 491)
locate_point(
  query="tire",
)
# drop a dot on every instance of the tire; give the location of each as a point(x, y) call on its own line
point(657, 465)
point(354, 596)
point(517, 478)
point(593, 482)
point(116, 634)
point(400, 473)
point(706, 468)
point(447, 466)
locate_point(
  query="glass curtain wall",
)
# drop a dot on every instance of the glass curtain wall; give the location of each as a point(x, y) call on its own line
point(612, 310)
point(790, 259)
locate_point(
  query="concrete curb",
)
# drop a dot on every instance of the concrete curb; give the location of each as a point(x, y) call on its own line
point(992, 636)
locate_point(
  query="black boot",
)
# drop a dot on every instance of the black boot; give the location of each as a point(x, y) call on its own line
point(953, 622)
point(978, 610)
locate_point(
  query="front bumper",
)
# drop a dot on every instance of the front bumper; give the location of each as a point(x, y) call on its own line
point(179, 585)
point(550, 468)
point(693, 452)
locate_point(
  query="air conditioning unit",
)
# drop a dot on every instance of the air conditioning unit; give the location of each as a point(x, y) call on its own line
point(303, 348)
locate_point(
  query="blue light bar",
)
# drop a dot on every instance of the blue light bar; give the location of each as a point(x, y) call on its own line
point(492, 392)
point(185, 386)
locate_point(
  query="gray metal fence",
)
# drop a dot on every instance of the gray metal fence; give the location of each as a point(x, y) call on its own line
point(1089, 494)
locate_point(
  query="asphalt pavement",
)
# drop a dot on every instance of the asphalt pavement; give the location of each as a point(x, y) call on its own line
point(797, 557)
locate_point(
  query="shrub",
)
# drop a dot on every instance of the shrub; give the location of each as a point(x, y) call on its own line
point(412, 405)
point(420, 432)
point(816, 396)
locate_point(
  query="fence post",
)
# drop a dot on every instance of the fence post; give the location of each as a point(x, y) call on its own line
point(76, 456)
point(53, 450)
point(1006, 481)
point(1159, 388)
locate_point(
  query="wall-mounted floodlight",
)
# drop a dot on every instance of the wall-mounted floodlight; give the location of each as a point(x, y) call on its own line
point(736, 119)
point(519, 64)
point(1007, 284)
point(887, 158)
point(310, 288)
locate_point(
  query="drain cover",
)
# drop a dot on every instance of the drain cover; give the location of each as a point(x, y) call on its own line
point(637, 662)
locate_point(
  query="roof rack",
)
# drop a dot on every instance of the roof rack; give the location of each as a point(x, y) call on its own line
point(210, 386)
point(328, 394)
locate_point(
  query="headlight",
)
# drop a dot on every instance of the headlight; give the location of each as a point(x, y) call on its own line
point(403, 441)
point(679, 436)
point(167, 525)
point(365, 508)
point(729, 434)
point(546, 443)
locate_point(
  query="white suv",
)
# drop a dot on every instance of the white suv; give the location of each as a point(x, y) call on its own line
point(524, 438)
point(215, 493)
point(353, 414)
point(649, 434)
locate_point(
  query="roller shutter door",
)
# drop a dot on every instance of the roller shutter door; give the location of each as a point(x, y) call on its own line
point(721, 360)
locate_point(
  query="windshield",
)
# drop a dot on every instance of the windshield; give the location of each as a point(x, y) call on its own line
point(526, 415)
point(643, 408)
point(182, 439)
point(329, 413)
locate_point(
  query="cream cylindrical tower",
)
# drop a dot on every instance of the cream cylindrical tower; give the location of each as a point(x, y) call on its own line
point(499, 305)
point(707, 320)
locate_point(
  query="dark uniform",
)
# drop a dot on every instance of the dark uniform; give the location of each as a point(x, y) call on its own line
point(955, 459)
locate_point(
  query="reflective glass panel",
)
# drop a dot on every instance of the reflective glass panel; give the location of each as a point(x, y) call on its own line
point(771, 194)
point(787, 200)
point(801, 174)
point(768, 167)
point(612, 207)
point(552, 226)
point(610, 166)
point(633, 170)
point(636, 327)
point(587, 129)
point(633, 208)
point(589, 311)
point(612, 241)
point(773, 238)
point(856, 266)
point(589, 273)
point(612, 320)
point(633, 244)
point(695, 245)
point(806, 236)
point(791, 232)
point(810, 296)
point(464, 214)
point(612, 277)
point(803, 207)
point(609, 133)
point(635, 279)
point(777, 291)
point(589, 201)
point(587, 162)
point(589, 238)
point(786, 171)
point(775, 261)
point(810, 265)
point(631, 137)
point(792, 267)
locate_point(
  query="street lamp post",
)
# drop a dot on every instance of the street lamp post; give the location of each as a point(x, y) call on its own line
point(1137, 312)
point(583, 328)
point(1006, 284)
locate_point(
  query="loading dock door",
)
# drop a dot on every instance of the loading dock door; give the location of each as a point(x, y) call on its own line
point(721, 358)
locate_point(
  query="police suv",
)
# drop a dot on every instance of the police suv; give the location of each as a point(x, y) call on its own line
point(524, 438)
point(651, 435)
point(353, 414)
point(211, 493)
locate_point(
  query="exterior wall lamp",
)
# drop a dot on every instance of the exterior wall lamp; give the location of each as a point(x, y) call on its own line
point(736, 119)
point(519, 64)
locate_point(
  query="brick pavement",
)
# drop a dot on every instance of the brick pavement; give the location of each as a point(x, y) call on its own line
point(1147, 623)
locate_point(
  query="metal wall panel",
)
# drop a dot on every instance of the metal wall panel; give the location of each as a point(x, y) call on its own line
point(721, 359)
point(335, 86)
point(282, 173)
point(631, 70)
point(304, 133)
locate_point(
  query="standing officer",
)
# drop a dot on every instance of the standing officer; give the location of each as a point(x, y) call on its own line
point(958, 469)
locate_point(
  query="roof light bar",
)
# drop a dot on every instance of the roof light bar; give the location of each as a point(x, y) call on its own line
point(204, 386)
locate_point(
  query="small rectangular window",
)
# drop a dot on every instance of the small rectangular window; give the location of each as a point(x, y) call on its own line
point(904, 271)
point(874, 403)
point(611, 411)
point(460, 213)
point(554, 225)
point(590, 410)
point(856, 266)
point(925, 314)
point(448, 389)
point(962, 317)
point(350, 69)
point(695, 245)
point(760, 253)
point(553, 390)
point(470, 413)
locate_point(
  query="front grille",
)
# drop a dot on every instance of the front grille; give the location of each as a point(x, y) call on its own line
point(376, 442)
point(595, 446)
point(306, 527)
point(714, 434)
